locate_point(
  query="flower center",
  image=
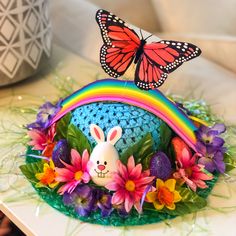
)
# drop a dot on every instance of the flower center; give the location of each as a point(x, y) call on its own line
point(164, 196)
point(104, 199)
point(130, 185)
point(81, 201)
point(48, 177)
point(189, 171)
point(78, 175)
point(207, 139)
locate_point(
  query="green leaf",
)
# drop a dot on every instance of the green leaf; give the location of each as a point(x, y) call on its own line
point(62, 127)
point(29, 170)
point(230, 162)
point(171, 154)
point(191, 202)
point(165, 136)
point(188, 196)
point(77, 140)
point(142, 151)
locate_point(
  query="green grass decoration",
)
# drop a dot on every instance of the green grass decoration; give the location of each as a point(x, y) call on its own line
point(230, 163)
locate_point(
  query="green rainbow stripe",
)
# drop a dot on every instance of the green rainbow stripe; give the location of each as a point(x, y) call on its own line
point(126, 92)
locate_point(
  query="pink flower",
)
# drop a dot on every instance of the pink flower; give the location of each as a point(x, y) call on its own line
point(129, 184)
point(187, 170)
point(75, 173)
point(40, 139)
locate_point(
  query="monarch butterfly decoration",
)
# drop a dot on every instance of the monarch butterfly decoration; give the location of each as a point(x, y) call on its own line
point(154, 61)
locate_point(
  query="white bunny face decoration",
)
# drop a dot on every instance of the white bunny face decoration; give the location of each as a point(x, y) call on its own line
point(104, 156)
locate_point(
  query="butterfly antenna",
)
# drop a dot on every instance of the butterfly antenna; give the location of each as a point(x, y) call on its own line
point(148, 37)
point(141, 33)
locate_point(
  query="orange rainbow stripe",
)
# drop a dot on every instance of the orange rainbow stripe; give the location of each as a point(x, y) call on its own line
point(126, 92)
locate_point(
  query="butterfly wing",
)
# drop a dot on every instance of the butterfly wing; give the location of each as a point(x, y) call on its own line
point(148, 75)
point(161, 58)
point(169, 55)
point(120, 43)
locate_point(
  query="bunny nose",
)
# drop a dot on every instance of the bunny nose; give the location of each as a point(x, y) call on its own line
point(101, 167)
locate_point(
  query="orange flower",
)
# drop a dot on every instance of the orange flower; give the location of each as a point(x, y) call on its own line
point(165, 195)
point(47, 177)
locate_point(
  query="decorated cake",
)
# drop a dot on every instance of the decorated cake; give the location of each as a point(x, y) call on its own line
point(121, 153)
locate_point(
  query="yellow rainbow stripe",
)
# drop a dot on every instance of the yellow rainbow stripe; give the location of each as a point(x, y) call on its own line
point(126, 92)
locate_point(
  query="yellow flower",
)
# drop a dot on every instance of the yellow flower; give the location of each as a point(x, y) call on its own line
point(47, 177)
point(165, 195)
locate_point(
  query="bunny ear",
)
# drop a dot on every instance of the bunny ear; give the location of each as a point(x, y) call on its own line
point(114, 135)
point(97, 133)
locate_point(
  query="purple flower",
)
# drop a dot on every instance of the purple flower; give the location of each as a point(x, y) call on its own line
point(82, 199)
point(213, 159)
point(207, 136)
point(46, 113)
point(103, 202)
point(210, 147)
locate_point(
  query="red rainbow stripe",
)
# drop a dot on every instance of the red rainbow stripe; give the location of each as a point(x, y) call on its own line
point(126, 92)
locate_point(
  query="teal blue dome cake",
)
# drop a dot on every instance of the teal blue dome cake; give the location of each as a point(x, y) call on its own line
point(135, 122)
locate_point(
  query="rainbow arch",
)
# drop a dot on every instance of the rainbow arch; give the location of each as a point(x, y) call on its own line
point(126, 92)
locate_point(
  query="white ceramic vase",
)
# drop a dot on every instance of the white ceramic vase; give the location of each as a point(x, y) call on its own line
point(25, 38)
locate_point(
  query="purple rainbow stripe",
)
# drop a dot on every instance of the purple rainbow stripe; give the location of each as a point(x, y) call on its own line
point(126, 92)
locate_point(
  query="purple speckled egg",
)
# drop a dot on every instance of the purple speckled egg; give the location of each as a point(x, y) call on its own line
point(61, 151)
point(160, 166)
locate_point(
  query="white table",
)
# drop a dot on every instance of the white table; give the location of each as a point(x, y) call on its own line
point(35, 217)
